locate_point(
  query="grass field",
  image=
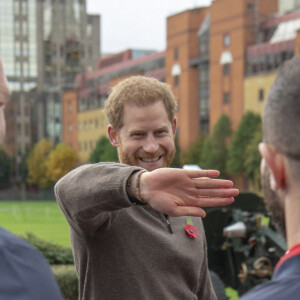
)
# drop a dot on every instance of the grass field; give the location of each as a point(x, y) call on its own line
point(42, 218)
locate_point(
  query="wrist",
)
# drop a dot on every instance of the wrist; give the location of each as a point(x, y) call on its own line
point(134, 187)
point(138, 187)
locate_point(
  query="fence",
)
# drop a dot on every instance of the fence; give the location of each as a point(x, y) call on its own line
point(23, 194)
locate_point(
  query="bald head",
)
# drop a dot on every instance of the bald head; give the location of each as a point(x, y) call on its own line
point(4, 93)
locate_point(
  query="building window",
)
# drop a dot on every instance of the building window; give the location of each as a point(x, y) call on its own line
point(261, 95)
point(226, 40)
point(176, 53)
point(226, 69)
point(176, 80)
point(70, 127)
point(91, 145)
point(226, 98)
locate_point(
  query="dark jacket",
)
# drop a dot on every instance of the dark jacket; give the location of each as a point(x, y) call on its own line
point(285, 283)
point(24, 272)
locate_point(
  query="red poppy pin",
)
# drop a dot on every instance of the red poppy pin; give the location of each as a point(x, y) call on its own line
point(190, 230)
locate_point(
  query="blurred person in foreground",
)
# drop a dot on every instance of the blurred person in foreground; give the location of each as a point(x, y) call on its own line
point(24, 272)
point(280, 170)
point(130, 233)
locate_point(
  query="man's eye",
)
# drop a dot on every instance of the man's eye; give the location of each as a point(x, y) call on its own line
point(161, 131)
point(137, 134)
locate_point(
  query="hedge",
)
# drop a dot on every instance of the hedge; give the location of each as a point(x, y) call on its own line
point(67, 280)
point(55, 254)
point(62, 264)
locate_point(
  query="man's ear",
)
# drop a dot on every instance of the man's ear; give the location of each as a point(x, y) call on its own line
point(275, 161)
point(113, 136)
point(174, 126)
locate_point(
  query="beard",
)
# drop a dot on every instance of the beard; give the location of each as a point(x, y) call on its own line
point(134, 160)
point(273, 203)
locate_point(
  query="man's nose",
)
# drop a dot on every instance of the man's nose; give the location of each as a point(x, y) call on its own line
point(151, 144)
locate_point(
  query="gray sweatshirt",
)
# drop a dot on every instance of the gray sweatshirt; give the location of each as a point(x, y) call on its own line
point(126, 251)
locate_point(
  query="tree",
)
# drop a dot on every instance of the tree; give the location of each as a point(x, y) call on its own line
point(60, 161)
point(192, 155)
point(5, 169)
point(215, 150)
point(253, 158)
point(104, 151)
point(36, 164)
point(237, 154)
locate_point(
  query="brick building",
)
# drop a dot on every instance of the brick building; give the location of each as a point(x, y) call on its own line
point(234, 26)
point(182, 46)
point(279, 40)
point(206, 59)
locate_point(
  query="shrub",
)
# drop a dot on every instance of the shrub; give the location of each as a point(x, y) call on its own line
point(55, 254)
point(67, 280)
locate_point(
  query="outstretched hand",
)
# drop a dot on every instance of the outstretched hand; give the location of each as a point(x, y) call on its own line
point(179, 192)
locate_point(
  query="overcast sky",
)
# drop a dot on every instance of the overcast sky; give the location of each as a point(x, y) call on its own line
point(139, 24)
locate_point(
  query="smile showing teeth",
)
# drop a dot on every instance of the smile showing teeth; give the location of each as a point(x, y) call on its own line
point(150, 159)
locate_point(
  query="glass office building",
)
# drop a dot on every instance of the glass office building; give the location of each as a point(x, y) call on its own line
point(18, 43)
point(44, 44)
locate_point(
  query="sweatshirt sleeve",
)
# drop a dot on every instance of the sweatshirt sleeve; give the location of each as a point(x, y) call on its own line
point(87, 195)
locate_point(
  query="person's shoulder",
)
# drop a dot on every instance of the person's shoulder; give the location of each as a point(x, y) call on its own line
point(275, 290)
point(12, 244)
point(8, 239)
point(24, 271)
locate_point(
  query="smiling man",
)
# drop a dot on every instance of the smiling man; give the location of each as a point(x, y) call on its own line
point(151, 124)
point(128, 220)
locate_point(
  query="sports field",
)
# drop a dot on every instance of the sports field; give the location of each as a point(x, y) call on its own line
point(42, 218)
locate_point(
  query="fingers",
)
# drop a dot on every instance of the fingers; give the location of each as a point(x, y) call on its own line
point(220, 193)
point(202, 173)
point(213, 201)
point(208, 183)
point(195, 209)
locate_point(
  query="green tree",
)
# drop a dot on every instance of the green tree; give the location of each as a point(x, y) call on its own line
point(237, 154)
point(104, 151)
point(5, 169)
point(253, 158)
point(36, 164)
point(215, 150)
point(192, 155)
point(60, 161)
